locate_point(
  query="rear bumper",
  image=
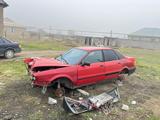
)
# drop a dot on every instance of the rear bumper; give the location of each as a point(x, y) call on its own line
point(132, 70)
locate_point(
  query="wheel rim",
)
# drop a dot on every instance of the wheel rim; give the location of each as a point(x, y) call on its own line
point(9, 54)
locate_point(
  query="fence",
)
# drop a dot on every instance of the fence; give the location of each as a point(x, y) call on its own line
point(49, 33)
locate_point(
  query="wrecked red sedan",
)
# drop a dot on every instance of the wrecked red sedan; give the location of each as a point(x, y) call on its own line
point(79, 67)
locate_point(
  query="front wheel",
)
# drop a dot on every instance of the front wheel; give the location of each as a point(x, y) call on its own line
point(60, 92)
point(9, 54)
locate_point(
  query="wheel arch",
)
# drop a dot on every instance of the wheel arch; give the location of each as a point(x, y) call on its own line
point(125, 71)
point(9, 48)
point(64, 81)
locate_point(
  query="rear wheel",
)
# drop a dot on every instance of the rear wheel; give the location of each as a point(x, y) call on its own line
point(9, 54)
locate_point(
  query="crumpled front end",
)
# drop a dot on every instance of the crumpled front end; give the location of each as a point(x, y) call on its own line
point(41, 70)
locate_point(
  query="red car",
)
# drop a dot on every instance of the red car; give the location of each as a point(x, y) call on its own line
point(78, 67)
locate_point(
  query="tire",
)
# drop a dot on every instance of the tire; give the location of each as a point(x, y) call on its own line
point(9, 54)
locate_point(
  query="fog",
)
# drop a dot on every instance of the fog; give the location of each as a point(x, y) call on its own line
point(122, 16)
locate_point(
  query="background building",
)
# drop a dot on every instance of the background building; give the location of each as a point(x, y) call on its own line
point(12, 28)
point(3, 4)
point(146, 34)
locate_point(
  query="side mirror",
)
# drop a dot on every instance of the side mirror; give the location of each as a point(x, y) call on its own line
point(85, 64)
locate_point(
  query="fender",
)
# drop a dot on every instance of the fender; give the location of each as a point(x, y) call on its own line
point(62, 76)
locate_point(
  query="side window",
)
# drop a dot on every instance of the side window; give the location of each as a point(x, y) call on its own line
point(110, 55)
point(93, 57)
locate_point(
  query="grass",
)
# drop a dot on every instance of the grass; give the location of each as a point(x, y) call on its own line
point(11, 69)
point(153, 118)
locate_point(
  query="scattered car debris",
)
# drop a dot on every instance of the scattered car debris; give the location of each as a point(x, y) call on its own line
point(133, 102)
point(125, 107)
point(83, 92)
point(91, 103)
point(106, 109)
point(52, 101)
point(80, 98)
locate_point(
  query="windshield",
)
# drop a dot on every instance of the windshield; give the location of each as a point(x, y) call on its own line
point(72, 56)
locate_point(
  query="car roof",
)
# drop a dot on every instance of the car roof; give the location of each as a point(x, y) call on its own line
point(93, 48)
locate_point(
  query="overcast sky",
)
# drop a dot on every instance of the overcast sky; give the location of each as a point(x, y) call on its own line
point(123, 16)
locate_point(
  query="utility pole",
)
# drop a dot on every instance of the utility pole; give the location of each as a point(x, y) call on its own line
point(110, 38)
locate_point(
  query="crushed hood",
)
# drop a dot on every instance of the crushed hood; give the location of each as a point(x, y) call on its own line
point(44, 62)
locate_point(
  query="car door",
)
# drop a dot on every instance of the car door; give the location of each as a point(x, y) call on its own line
point(89, 74)
point(112, 63)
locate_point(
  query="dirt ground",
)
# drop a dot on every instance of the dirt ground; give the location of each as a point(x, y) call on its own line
point(19, 101)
